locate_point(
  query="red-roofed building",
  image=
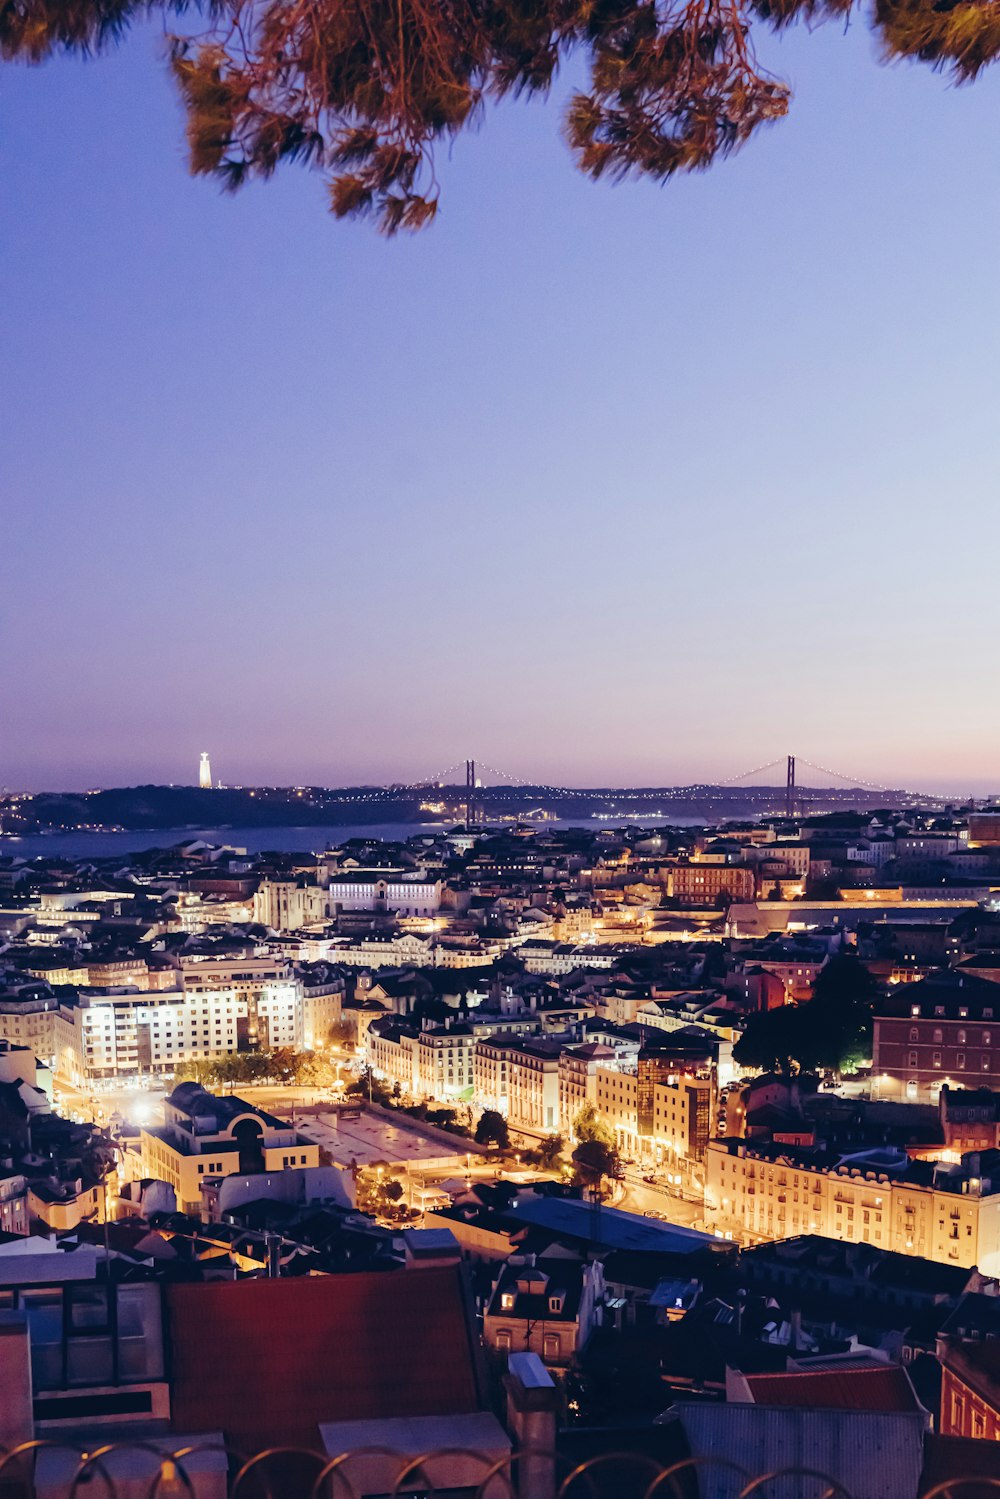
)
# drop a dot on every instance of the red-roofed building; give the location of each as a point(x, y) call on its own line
point(266, 1361)
point(848, 1387)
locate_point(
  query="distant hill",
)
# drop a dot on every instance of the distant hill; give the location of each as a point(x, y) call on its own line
point(169, 807)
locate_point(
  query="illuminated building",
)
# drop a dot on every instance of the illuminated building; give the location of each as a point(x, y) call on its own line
point(205, 1136)
point(943, 1211)
point(942, 1030)
point(204, 772)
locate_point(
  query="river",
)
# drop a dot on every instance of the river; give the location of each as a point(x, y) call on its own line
point(292, 840)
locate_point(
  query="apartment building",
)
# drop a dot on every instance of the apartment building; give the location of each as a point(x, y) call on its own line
point(403, 951)
point(968, 1350)
point(943, 1030)
point(520, 1079)
point(676, 1118)
point(102, 1035)
point(549, 1307)
point(28, 1018)
point(391, 1046)
point(578, 1070)
point(702, 884)
point(943, 1211)
point(204, 1136)
point(446, 1062)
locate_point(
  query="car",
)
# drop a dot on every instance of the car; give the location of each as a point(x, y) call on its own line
point(650, 1179)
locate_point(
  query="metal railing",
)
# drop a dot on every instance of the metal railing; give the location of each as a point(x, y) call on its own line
point(148, 1468)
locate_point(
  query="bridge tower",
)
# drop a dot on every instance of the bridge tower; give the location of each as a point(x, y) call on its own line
point(470, 793)
point(790, 788)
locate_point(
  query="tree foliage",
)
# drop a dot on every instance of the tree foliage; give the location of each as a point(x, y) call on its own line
point(588, 1125)
point(365, 89)
point(491, 1129)
point(595, 1159)
point(283, 1065)
point(831, 1031)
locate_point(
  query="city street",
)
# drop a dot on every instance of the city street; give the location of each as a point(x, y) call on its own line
point(644, 1197)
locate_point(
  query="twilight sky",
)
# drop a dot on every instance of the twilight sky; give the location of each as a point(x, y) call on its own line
point(596, 483)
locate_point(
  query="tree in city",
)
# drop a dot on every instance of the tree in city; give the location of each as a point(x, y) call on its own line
point(367, 90)
point(550, 1151)
point(341, 1034)
point(367, 1085)
point(588, 1125)
point(830, 1032)
point(594, 1160)
point(379, 1193)
point(491, 1129)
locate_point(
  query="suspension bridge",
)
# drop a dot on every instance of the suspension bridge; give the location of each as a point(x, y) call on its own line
point(797, 779)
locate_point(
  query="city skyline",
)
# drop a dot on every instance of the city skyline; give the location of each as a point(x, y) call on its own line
point(340, 508)
point(771, 775)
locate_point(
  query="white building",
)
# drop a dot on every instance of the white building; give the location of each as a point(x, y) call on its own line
point(106, 1035)
point(405, 896)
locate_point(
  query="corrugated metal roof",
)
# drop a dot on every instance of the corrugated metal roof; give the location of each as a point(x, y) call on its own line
point(874, 1455)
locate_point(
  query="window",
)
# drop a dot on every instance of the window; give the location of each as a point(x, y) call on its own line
point(911, 1060)
point(937, 1038)
point(914, 1033)
point(937, 1059)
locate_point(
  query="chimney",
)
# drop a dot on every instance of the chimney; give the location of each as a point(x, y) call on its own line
point(531, 1421)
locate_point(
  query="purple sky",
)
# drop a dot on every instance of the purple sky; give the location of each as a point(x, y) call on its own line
point(598, 484)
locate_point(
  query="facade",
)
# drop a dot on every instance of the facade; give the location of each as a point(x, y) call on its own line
point(391, 1046)
point(520, 1079)
point(943, 1030)
point(703, 884)
point(445, 1062)
point(406, 897)
point(944, 1212)
point(102, 1036)
point(550, 1308)
point(28, 1018)
point(676, 1122)
point(578, 1071)
point(968, 1350)
point(288, 905)
point(405, 951)
point(204, 1136)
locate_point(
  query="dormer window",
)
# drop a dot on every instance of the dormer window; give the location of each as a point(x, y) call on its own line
point(939, 1009)
point(556, 1303)
point(914, 1009)
point(507, 1301)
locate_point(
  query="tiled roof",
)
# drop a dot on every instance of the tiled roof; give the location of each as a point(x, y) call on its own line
point(266, 1361)
point(887, 1389)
